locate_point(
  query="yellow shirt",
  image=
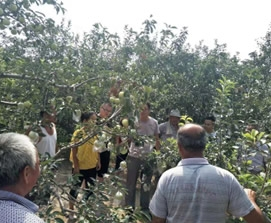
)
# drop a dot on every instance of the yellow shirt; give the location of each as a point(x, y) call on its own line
point(86, 156)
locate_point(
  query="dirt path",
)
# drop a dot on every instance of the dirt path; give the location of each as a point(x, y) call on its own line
point(64, 172)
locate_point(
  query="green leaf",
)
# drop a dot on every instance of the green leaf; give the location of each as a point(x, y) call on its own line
point(260, 135)
point(49, 210)
point(59, 220)
point(248, 136)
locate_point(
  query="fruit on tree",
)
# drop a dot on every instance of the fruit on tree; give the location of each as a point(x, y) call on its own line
point(121, 94)
point(119, 195)
point(110, 146)
point(21, 19)
point(53, 46)
point(1, 11)
point(147, 89)
point(112, 99)
point(13, 32)
point(33, 136)
point(123, 150)
point(66, 59)
point(27, 104)
point(13, 8)
point(69, 99)
point(5, 22)
point(125, 122)
point(123, 164)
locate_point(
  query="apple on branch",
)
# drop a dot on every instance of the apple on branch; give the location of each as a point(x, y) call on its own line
point(125, 122)
point(27, 104)
point(13, 8)
point(119, 195)
point(121, 94)
point(69, 99)
point(123, 164)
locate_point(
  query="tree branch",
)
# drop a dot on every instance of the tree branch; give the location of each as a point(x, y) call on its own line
point(89, 135)
point(8, 103)
point(26, 77)
point(19, 76)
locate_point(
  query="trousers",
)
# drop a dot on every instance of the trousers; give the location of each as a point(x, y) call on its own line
point(138, 167)
point(89, 176)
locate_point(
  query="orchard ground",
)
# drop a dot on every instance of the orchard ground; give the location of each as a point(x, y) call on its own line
point(64, 172)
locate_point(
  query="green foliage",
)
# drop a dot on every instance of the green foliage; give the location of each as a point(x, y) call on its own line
point(18, 17)
point(45, 65)
point(102, 206)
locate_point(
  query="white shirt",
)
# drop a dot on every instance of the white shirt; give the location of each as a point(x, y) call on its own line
point(47, 144)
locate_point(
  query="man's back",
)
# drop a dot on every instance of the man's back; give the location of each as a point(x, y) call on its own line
point(195, 191)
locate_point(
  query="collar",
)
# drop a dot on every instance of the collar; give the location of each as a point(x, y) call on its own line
point(9, 196)
point(144, 121)
point(193, 161)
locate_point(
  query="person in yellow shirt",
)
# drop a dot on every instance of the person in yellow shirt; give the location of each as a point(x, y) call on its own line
point(85, 161)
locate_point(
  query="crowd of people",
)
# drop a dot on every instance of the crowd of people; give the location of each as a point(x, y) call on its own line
point(193, 191)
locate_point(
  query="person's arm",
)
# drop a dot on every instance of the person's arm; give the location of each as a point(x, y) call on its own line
point(158, 220)
point(28, 130)
point(98, 167)
point(53, 115)
point(75, 160)
point(119, 142)
point(56, 149)
point(256, 214)
point(157, 142)
point(157, 138)
point(160, 127)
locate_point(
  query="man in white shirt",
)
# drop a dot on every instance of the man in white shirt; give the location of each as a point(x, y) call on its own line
point(47, 143)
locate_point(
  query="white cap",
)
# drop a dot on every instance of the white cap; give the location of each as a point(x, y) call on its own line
point(175, 113)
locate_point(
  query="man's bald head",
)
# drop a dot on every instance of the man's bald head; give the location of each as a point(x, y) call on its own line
point(192, 138)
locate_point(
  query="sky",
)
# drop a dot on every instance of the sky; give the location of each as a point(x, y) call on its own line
point(238, 23)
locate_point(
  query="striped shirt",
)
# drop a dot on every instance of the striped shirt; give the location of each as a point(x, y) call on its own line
point(197, 192)
point(17, 209)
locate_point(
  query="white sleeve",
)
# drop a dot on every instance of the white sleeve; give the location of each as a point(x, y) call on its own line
point(239, 203)
point(158, 203)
